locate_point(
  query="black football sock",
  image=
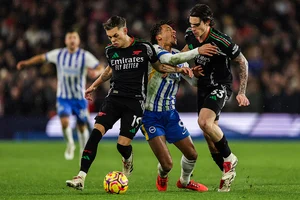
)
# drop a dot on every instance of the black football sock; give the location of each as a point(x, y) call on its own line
point(223, 147)
point(218, 160)
point(125, 151)
point(90, 150)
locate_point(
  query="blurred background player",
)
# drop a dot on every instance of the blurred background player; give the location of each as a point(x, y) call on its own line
point(128, 67)
point(161, 121)
point(71, 63)
point(214, 88)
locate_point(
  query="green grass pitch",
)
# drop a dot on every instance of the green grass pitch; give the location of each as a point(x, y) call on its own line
point(37, 170)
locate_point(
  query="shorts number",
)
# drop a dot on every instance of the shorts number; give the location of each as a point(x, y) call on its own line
point(136, 120)
point(218, 93)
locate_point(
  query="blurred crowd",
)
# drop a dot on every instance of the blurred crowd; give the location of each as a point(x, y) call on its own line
point(267, 31)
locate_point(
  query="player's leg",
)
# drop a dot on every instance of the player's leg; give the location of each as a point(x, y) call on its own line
point(188, 161)
point(108, 115)
point(131, 118)
point(64, 111)
point(215, 154)
point(213, 104)
point(79, 108)
point(154, 132)
point(177, 134)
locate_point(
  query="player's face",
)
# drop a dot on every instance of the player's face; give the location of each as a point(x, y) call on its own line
point(168, 35)
point(117, 36)
point(198, 26)
point(72, 41)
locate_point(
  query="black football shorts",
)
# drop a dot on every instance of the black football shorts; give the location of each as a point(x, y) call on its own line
point(213, 98)
point(128, 110)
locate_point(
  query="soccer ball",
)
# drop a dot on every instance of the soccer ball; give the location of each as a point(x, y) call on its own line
point(115, 182)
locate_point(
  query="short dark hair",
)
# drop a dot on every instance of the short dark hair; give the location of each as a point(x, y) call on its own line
point(114, 21)
point(156, 29)
point(204, 12)
point(72, 30)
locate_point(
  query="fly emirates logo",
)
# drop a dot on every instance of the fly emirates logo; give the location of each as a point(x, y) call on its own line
point(126, 63)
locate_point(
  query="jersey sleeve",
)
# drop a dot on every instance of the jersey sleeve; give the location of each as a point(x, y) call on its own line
point(91, 60)
point(51, 56)
point(227, 46)
point(174, 59)
point(151, 53)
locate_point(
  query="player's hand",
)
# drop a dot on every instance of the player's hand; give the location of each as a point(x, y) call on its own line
point(21, 64)
point(242, 100)
point(198, 71)
point(208, 50)
point(186, 71)
point(88, 93)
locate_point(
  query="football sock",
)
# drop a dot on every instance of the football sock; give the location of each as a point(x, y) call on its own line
point(82, 138)
point(125, 151)
point(187, 167)
point(68, 135)
point(229, 158)
point(161, 172)
point(82, 174)
point(90, 150)
point(223, 147)
point(218, 160)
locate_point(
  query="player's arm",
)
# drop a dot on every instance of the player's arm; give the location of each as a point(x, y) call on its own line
point(243, 63)
point(164, 68)
point(105, 76)
point(175, 59)
point(96, 72)
point(31, 61)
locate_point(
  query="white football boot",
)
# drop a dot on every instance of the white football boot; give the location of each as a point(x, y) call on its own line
point(228, 175)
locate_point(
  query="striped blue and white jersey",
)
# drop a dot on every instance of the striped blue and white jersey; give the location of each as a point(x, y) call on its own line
point(71, 71)
point(161, 92)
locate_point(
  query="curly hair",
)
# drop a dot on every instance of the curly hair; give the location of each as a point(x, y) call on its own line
point(156, 29)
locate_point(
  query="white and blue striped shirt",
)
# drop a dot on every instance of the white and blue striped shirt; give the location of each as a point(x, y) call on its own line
point(161, 92)
point(71, 71)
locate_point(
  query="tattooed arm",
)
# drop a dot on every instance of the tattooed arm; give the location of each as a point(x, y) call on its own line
point(243, 63)
point(105, 76)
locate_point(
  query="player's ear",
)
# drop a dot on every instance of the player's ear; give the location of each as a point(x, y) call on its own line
point(158, 38)
point(207, 23)
point(125, 30)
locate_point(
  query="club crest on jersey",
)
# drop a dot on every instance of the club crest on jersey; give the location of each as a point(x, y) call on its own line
point(136, 53)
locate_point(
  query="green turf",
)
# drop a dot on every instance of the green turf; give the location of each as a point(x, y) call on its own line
point(37, 170)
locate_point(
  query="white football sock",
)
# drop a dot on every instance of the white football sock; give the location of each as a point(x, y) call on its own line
point(161, 172)
point(82, 138)
point(187, 167)
point(68, 135)
point(82, 174)
point(229, 158)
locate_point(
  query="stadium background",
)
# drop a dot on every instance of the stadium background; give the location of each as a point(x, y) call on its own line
point(33, 167)
point(267, 31)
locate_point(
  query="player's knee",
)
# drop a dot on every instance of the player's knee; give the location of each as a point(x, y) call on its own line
point(64, 122)
point(81, 128)
point(100, 128)
point(192, 155)
point(205, 125)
